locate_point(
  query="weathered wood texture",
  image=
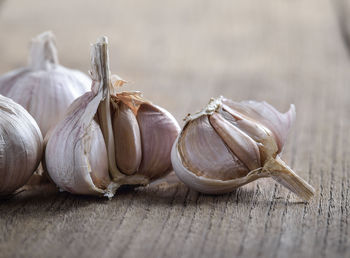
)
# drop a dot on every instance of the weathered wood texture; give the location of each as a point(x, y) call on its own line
point(181, 53)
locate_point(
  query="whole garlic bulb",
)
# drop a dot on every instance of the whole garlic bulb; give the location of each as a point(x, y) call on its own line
point(21, 145)
point(44, 87)
point(229, 144)
point(108, 139)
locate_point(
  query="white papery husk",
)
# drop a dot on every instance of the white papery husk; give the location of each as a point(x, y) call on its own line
point(44, 88)
point(21, 145)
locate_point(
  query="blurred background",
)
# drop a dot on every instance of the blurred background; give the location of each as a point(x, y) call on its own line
point(181, 53)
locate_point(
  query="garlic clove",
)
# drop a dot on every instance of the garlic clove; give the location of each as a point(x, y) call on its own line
point(255, 130)
point(97, 157)
point(21, 145)
point(159, 130)
point(75, 155)
point(127, 139)
point(278, 123)
point(244, 147)
point(204, 152)
point(259, 133)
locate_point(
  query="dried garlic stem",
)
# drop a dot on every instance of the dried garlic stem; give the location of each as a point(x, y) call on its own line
point(286, 176)
point(43, 52)
point(104, 111)
point(105, 121)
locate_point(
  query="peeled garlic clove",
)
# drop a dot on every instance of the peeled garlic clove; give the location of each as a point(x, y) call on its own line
point(44, 87)
point(250, 139)
point(127, 139)
point(21, 145)
point(159, 130)
point(279, 124)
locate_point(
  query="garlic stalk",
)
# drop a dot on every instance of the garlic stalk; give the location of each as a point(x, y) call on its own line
point(21, 146)
point(44, 87)
point(229, 144)
point(108, 139)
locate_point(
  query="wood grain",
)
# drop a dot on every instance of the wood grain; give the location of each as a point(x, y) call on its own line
point(181, 53)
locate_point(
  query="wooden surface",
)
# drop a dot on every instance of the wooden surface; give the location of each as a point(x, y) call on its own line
point(181, 53)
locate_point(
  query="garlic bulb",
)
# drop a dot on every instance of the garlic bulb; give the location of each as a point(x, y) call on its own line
point(108, 139)
point(44, 87)
point(21, 145)
point(229, 144)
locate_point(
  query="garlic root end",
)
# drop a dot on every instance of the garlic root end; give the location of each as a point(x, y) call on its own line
point(132, 180)
point(111, 189)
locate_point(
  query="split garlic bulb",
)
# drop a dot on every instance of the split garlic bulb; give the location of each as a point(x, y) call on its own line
point(21, 145)
point(44, 87)
point(108, 139)
point(229, 144)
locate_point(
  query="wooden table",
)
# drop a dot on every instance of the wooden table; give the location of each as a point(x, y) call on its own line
point(181, 53)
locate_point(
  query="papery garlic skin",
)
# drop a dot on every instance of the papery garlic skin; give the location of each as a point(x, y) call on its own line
point(44, 88)
point(251, 134)
point(75, 155)
point(205, 153)
point(21, 145)
point(205, 184)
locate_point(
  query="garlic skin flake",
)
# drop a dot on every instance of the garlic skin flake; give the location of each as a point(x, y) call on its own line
point(44, 88)
point(229, 144)
point(21, 146)
point(108, 139)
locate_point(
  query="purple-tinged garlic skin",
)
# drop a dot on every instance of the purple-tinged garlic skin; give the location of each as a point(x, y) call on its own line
point(21, 146)
point(229, 144)
point(44, 88)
